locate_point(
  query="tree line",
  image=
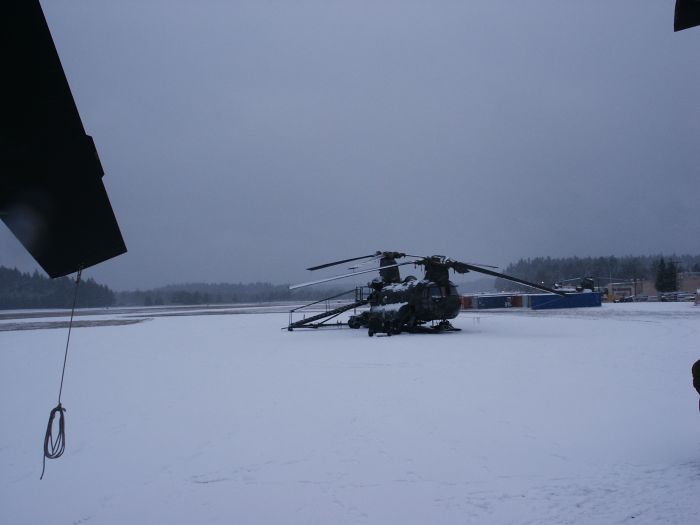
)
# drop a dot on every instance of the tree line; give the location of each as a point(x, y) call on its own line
point(20, 290)
point(221, 293)
point(663, 270)
point(24, 290)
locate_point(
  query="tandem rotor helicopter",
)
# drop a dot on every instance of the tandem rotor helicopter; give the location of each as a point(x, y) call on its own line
point(402, 305)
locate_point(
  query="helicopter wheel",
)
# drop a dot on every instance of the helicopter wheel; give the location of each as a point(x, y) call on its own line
point(370, 333)
point(445, 326)
point(409, 323)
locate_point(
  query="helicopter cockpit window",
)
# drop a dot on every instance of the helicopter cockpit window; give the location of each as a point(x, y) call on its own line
point(436, 292)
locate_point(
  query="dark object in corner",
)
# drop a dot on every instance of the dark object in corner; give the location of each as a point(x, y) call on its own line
point(696, 375)
point(51, 192)
point(687, 14)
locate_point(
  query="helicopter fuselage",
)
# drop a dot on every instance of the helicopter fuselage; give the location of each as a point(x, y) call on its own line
point(403, 306)
point(427, 300)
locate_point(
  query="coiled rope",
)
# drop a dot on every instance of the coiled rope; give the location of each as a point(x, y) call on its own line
point(54, 448)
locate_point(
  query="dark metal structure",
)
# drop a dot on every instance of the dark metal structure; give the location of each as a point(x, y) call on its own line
point(687, 14)
point(584, 283)
point(51, 192)
point(407, 305)
point(323, 318)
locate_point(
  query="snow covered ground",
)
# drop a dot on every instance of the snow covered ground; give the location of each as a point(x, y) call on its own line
point(583, 416)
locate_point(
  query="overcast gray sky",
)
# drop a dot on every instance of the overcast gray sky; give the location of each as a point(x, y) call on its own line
point(244, 141)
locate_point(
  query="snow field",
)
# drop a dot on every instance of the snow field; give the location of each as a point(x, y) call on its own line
point(584, 416)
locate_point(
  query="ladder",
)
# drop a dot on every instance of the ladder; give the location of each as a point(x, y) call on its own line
point(324, 317)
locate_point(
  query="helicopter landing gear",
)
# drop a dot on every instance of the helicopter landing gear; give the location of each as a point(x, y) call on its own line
point(445, 326)
point(378, 325)
point(394, 328)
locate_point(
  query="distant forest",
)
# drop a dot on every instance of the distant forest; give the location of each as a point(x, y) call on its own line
point(23, 290)
point(221, 293)
point(603, 269)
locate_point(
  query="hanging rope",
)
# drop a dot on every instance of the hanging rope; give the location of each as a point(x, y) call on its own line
point(54, 448)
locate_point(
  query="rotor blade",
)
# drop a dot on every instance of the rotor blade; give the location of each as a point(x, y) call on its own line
point(343, 261)
point(364, 263)
point(295, 286)
point(483, 265)
point(514, 279)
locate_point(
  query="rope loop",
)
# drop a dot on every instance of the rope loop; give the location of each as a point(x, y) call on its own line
point(54, 448)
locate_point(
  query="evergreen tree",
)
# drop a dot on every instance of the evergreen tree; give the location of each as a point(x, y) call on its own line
point(666, 276)
point(672, 276)
point(660, 282)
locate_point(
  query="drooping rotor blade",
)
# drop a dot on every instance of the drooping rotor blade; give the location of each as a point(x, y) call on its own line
point(371, 260)
point(343, 261)
point(687, 14)
point(335, 278)
point(511, 278)
point(448, 261)
point(51, 193)
point(384, 256)
point(483, 265)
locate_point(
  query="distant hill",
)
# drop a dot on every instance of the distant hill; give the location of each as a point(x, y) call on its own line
point(221, 293)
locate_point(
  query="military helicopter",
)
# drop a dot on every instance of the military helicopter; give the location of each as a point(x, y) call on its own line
point(585, 284)
point(397, 305)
